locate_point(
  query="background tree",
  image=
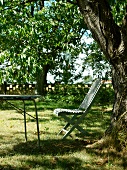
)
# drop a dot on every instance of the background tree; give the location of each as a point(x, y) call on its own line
point(37, 39)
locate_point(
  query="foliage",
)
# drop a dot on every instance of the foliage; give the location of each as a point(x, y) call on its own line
point(95, 59)
point(74, 94)
point(118, 10)
point(42, 39)
point(49, 37)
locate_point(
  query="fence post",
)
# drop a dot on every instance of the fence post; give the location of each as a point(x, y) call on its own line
point(5, 87)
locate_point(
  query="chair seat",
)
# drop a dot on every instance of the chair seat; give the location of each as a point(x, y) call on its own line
point(60, 111)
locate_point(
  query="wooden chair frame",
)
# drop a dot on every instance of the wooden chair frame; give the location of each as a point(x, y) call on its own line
point(78, 115)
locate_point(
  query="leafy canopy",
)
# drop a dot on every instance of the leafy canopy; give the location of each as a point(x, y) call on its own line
point(30, 42)
point(119, 9)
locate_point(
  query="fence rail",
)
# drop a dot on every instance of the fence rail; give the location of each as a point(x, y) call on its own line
point(70, 93)
point(50, 88)
point(17, 88)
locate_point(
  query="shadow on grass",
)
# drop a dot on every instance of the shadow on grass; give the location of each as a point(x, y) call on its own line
point(109, 156)
point(49, 147)
point(10, 167)
point(58, 154)
point(54, 154)
point(70, 163)
point(51, 163)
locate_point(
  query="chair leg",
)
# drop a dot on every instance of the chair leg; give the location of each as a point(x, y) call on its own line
point(64, 128)
point(68, 132)
point(72, 128)
point(80, 129)
point(68, 124)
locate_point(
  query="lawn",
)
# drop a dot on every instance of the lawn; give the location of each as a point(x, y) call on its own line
point(55, 153)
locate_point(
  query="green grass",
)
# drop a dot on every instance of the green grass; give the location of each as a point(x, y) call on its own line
point(55, 153)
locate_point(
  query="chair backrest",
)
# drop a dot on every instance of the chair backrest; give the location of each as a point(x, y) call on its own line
point(89, 98)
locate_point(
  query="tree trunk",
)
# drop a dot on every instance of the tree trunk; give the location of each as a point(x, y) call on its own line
point(120, 87)
point(118, 128)
point(42, 79)
point(41, 4)
point(113, 42)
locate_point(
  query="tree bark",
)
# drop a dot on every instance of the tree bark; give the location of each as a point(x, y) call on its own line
point(42, 79)
point(113, 42)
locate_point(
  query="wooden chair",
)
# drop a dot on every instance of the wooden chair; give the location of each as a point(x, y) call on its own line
point(77, 115)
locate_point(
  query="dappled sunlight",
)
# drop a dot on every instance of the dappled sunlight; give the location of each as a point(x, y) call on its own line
point(54, 153)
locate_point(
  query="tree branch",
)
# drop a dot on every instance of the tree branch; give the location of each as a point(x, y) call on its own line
point(72, 2)
point(124, 30)
point(98, 18)
point(124, 23)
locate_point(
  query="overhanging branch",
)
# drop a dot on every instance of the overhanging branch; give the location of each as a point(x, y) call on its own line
point(125, 23)
point(72, 2)
point(98, 17)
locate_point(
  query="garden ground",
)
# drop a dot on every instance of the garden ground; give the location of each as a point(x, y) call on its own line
point(55, 153)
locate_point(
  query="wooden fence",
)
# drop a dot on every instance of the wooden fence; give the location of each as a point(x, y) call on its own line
point(17, 88)
point(50, 88)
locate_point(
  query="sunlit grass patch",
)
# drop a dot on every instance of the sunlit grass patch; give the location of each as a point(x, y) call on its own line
point(55, 153)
